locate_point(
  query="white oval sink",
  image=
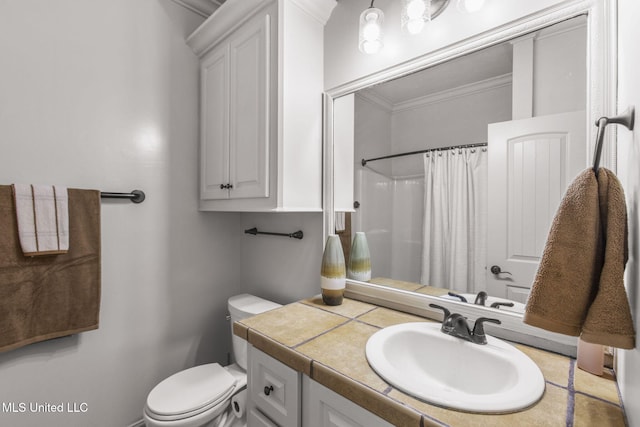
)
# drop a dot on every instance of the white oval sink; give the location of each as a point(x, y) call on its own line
point(447, 371)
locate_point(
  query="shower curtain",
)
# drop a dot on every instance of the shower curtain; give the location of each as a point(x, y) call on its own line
point(455, 218)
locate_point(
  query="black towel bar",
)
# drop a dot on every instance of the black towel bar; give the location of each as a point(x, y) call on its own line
point(136, 196)
point(297, 235)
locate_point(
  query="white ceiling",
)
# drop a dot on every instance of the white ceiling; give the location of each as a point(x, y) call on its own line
point(484, 64)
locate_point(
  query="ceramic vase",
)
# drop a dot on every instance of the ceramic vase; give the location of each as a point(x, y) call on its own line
point(333, 272)
point(359, 259)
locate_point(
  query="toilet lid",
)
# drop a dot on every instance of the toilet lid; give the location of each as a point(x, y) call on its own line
point(190, 390)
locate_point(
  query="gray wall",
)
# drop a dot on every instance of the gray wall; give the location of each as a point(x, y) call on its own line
point(628, 161)
point(279, 268)
point(104, 94)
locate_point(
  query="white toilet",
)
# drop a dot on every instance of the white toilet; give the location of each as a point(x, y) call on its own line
point(201, 396)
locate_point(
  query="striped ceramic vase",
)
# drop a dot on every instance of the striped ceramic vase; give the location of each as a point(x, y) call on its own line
point(333, 272)
point(359, 259)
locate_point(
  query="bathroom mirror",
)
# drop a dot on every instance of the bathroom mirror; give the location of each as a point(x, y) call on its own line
point(544, 71)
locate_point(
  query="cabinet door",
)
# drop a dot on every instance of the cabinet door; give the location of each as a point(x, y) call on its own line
point(255, 418)
point(343, 153)
point(274, 389)
point(249, 79)
point(323, 407)
point(214, 146)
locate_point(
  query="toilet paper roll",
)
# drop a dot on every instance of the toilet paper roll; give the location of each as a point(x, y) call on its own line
point(238, 403)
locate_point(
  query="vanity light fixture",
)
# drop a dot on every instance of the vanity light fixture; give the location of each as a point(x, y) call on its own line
point(414, 15)
point(370, 33)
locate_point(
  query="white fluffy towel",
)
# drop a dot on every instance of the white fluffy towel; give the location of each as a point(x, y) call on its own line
point(43, 218)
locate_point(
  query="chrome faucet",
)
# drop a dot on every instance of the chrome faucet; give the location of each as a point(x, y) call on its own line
point(456, 325)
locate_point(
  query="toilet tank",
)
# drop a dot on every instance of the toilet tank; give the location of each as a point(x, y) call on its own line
point(240, 307)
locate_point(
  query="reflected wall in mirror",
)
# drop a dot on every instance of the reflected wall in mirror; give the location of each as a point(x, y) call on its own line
point(471, 221)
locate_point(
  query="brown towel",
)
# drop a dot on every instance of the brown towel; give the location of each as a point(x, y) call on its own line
point(583, 262)
point(50, 296)
point(609, 320)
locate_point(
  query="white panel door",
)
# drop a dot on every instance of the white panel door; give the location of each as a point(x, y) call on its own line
point(214, 149)
point(249, 110)
point(531, 162)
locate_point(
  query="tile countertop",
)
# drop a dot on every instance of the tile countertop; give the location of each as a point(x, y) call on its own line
point(327, 344)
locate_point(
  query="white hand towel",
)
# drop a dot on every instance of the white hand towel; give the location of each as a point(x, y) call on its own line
point(43, 218)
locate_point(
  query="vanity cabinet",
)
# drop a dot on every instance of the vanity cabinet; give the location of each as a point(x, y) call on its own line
point(281, 396)
point(261, 85)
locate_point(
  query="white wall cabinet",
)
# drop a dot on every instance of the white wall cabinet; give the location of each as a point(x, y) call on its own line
point(261, 67)
point(234, 114)
point(281, 396)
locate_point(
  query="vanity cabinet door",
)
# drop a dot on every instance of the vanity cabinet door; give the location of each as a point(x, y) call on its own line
point(322, 407)
point(255, 418)
point(274, 389)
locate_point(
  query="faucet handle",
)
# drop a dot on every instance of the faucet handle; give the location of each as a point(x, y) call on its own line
point(446, 312)
point(505, 304)
point(478, 334)
point(453, 294)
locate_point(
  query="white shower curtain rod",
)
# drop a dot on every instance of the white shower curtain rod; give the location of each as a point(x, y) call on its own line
point(428, 150)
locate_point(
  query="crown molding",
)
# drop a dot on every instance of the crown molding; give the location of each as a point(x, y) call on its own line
point(227, 18)
point(375, 99)
point(558, 32)
point(231, 14)
point(320, 10)
point(432, 98)
point(203, 8)
point(457, 92)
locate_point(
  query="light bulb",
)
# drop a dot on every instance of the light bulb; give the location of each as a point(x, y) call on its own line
point(370, 33)
point(414, 26)
point(414, 14)
point(371, 46)
point(415, 9)
point(470, 6)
